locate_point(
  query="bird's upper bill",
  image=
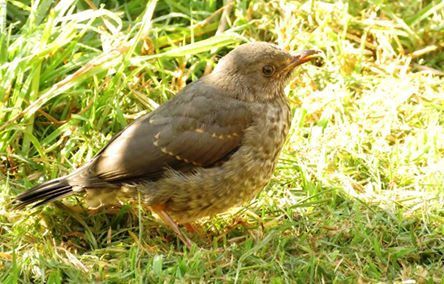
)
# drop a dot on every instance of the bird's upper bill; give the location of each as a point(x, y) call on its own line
point(301, 58)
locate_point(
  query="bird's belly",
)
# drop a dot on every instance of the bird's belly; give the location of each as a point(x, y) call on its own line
point(216, 190)
point(205, 192)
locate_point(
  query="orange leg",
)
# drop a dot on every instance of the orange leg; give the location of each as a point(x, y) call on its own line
point(159, 210)
point(190, 228)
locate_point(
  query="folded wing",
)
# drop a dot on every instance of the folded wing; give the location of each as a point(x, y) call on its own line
point(198, 128)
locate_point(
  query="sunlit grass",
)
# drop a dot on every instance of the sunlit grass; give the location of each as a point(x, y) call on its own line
point(358, 192)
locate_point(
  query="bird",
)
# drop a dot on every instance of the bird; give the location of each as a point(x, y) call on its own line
point(211, 147)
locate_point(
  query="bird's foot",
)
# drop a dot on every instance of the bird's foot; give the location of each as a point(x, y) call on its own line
point(159, 210)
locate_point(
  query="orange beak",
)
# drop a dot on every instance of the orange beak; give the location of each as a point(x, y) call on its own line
point(304, 56)
point(301, 58)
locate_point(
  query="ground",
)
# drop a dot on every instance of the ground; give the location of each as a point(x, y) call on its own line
point(356, 197)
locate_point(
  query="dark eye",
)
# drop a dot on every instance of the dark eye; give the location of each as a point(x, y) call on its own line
point(268, 70)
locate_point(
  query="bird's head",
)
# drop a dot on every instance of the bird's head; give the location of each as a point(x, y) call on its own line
point(260, 70)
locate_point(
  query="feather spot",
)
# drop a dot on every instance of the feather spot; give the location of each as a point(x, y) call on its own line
point(222, 136)
point(165, 150)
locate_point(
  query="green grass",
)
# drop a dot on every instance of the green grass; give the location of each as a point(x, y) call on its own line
point(357, 195)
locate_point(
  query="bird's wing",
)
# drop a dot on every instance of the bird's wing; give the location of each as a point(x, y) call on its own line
point(198, 128)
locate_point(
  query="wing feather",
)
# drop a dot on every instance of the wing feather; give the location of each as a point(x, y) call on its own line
point(199, 127)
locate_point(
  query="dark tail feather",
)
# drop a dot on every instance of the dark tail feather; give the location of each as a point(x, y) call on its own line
point(44, 193)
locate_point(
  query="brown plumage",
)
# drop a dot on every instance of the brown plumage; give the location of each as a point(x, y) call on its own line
point(211, 147)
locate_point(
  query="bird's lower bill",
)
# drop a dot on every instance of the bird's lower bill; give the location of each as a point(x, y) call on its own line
point(301, 58)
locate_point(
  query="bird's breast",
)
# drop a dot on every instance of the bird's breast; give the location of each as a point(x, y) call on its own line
point(268, 133)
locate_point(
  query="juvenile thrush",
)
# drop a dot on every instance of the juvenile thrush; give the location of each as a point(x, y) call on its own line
point(213, 146)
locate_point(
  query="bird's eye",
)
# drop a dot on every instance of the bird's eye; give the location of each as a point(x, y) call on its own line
point(268, 70)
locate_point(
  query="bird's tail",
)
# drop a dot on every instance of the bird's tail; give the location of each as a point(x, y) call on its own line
point(44, 193)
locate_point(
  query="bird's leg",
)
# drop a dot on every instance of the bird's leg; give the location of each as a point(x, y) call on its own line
point(190, 228)
point(159, 210)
